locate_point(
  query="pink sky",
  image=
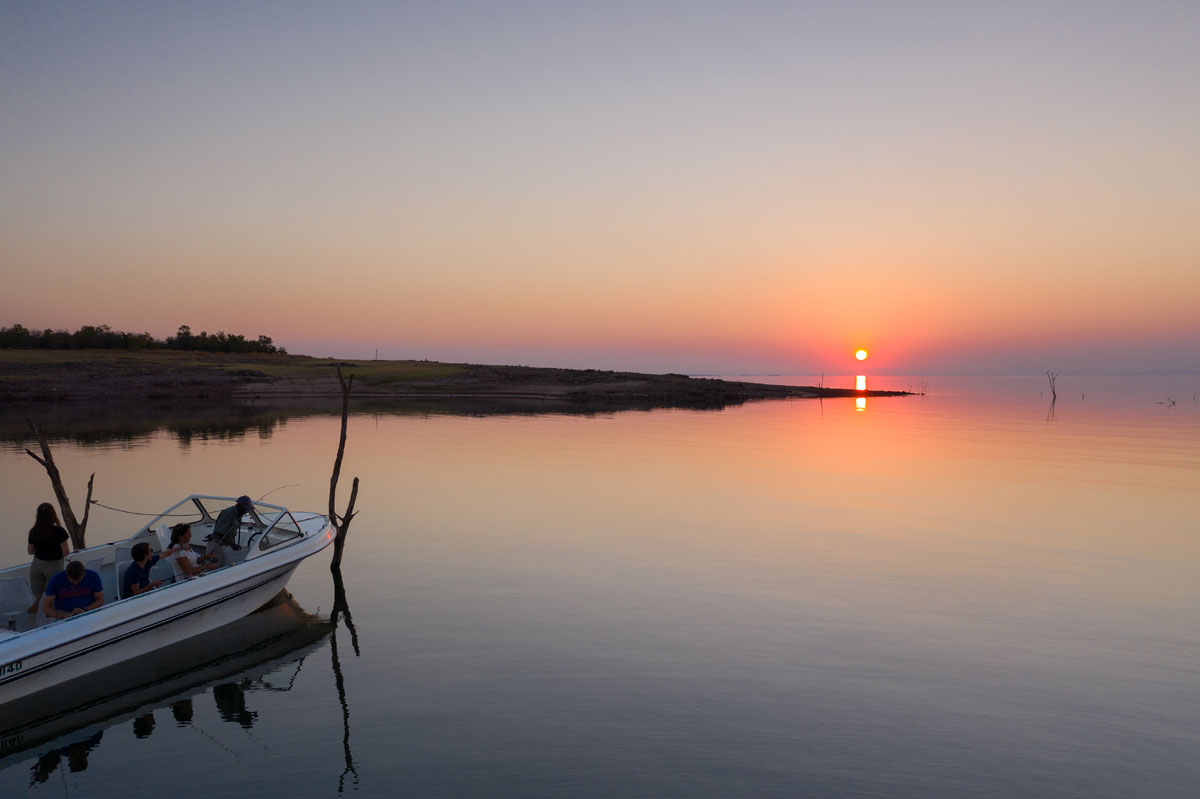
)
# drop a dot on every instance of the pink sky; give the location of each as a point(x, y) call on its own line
point(729, 189)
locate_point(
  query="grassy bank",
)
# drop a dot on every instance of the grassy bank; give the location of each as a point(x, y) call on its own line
point(179, 377)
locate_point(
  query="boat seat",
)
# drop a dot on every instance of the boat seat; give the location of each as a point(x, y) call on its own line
point(121, 561)
point(15, 594)
point(107, 577)
point(164, 537)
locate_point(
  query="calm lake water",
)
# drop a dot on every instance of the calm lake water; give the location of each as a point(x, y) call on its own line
point(966, 594)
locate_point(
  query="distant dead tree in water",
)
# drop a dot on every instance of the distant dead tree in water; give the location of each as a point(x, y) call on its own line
point(1052, 377)
point(76, 529)
point(342, 523)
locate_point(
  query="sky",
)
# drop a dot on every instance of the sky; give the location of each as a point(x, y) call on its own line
point(698, 187)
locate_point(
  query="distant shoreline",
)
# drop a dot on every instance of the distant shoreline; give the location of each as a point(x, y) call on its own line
point(41, 376)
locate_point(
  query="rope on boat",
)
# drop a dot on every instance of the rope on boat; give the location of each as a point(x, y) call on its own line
point(138, 513)
point(182, 515)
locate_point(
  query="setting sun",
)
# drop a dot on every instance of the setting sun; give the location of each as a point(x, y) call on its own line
point(861, 355)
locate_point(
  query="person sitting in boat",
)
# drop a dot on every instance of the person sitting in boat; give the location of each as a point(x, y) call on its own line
point(225, 531)
point(183, 557)
point(49, 544)
point(137, 576)
point(72, 592)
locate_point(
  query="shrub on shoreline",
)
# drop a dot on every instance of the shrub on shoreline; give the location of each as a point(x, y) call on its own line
point(104, 337)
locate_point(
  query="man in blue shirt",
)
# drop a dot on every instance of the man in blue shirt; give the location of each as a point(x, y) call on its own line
point(71, 592)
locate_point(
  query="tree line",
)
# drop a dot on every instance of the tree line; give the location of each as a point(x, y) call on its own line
point(105, 338)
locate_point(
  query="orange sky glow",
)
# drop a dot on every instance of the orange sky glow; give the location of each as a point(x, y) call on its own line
point(978, 191)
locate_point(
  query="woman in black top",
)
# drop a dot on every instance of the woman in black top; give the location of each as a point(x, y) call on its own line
point(49, 544)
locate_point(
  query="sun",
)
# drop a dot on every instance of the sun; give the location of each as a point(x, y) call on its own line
point(861, 355)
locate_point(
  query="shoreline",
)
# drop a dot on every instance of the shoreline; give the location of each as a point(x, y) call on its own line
point(154, 377)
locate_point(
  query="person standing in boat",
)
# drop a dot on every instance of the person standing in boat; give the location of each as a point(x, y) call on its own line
point(49, 544)
point(71, 592)
point(225, 531)
point(136, 579)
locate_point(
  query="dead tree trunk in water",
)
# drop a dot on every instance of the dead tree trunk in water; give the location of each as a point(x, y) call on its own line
point(76, 529)
point(1051, 376)
point(342, 523)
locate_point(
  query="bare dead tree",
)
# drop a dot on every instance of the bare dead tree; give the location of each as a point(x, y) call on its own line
point(1052, 376)
point(341, 608)
point(342, 523)
point(76, 529)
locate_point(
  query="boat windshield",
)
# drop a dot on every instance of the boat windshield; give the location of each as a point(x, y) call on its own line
point(281, 527)
point(265, 524)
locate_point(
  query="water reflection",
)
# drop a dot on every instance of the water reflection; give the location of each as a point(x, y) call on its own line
point(860, 403)
point(132, 425)
point(183, 712)
point(231, 702)
point(341, 610)
point(143, 725)
point(76, 752)
point(860, 383)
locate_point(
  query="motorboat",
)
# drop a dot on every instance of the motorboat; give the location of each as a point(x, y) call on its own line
point(37, 653)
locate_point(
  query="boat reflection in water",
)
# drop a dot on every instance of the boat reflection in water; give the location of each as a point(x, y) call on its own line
point(70, 723)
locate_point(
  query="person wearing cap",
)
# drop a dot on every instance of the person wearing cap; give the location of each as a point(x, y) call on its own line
point(225, 531)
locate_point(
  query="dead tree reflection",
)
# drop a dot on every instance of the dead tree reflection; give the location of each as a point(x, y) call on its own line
point(341, 610)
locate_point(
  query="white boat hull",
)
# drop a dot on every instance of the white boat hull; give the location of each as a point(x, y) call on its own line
point(140, 636)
